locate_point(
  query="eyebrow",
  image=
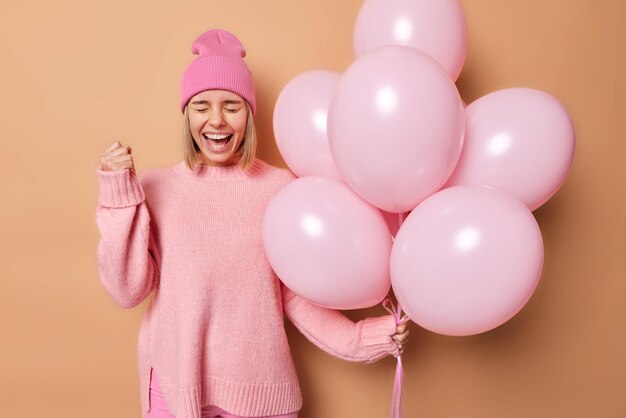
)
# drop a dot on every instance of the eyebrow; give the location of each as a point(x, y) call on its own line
point(223, 102)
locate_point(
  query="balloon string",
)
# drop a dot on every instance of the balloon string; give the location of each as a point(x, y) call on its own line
point(396, 396)
point(397, 312)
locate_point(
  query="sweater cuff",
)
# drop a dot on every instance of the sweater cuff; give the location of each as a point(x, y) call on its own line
point(376, 337)
point(119, 188)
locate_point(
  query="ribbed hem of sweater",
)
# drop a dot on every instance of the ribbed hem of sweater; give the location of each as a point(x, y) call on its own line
point(119, 188)
point(216, 172)
point(243, 399)
point(376, 337)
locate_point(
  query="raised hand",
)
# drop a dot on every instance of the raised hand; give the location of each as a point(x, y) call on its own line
point(117, 157)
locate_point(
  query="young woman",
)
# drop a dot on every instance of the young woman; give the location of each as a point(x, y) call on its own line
point(212, 342)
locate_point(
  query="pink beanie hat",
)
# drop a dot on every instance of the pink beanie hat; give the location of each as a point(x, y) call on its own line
point(220, 65)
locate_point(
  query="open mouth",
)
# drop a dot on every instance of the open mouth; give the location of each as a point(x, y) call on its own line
point(217, 142)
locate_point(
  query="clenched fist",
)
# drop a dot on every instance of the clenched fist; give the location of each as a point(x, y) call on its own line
point(401, 336)
point(117, 157)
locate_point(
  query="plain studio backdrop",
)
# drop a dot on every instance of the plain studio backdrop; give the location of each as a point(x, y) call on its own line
point(75, 76)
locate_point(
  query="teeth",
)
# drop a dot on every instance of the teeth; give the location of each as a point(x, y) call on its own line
point(216, 137)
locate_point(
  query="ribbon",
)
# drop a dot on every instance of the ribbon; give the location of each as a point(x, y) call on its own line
point(396, 396)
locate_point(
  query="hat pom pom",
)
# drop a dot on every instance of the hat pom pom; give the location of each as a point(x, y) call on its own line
point(218, 42)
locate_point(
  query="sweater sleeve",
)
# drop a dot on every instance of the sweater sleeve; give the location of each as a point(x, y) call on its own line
point(366, 341)
point(126, 253)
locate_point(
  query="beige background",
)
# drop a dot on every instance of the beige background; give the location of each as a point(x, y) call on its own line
point(77, 75)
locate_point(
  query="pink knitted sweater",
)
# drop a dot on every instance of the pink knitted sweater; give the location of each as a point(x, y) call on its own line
point(214, 328)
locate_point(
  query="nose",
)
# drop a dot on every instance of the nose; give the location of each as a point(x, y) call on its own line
point(216, 118)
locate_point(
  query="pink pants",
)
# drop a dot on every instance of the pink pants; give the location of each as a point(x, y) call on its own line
point(158, 408)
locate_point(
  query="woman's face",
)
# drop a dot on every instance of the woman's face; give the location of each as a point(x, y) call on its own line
point(217, 120)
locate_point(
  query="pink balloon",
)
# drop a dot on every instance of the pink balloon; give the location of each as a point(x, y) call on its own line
point(328, 245)
point(520, 140)
point(395, 127)
point(300, 124)
point(466, 260)
point(436, 27)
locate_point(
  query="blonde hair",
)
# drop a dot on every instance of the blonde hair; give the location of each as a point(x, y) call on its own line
point(247, 148)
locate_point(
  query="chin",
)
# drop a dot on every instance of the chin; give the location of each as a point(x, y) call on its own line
point(218, 159)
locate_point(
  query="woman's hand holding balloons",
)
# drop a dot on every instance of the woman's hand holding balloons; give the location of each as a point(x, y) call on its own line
point(401, 336)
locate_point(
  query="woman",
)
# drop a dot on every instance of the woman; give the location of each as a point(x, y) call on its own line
point(192, 234)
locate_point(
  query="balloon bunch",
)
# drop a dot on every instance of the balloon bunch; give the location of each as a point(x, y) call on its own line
point(390, 137)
